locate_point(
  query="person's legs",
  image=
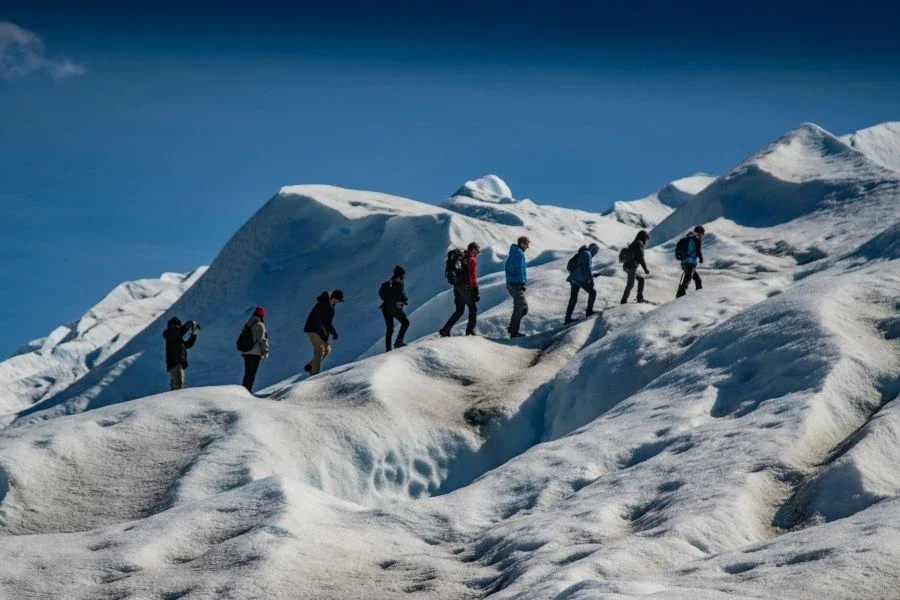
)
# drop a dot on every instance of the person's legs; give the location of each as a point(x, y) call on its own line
point(698, 283)
point(473, 312)
point(630, 284)
point(686, 271)
point(520, 307)
point(640, 286)
point(573, 298)
point(388, 328)
point(459, 299)
point(592, 296)
point(251, 365)
point(176, 378)
point(319, 352)
point(404, 326)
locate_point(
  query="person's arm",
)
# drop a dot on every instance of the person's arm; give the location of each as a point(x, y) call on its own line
point(699, 248)
point(262, 338)
point(523, 267)
point(402, 294)
point(640, 255)
point(472, 269)
point(190, 341)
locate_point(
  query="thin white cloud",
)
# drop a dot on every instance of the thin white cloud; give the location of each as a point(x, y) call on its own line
point(22, 53)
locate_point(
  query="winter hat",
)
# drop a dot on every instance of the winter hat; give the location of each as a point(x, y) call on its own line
point(399, 271)
point(174, 322)
point(338, 295)
point(259, 312)
point(700, 229)
point(473, 247)
point(643, 235)
point(593, 249)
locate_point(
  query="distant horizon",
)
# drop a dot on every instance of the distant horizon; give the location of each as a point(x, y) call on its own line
point(142, 139)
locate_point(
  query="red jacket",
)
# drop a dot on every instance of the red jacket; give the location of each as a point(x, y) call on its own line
point(471, 263)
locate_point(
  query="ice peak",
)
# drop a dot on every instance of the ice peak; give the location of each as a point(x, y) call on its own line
point(488, 188)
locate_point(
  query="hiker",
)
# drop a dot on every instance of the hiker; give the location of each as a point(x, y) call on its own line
point(319, 326)
point(689, 250)
point(516, 279)
point(176, 349)
point(253, 344)
point(393, 299)
point(581, 278)
point(633, 256)
point(462, 273)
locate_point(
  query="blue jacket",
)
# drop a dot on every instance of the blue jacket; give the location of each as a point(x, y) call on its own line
point(515, 265)
point(582, 274)
point(695, 250)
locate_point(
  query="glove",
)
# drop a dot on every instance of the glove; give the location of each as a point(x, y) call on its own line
point(646, 272)
point(335, 335)
point(195, 329)
point(476, 293)
point(265, 356)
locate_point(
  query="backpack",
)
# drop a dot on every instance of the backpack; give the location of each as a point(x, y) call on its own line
point(681, 248)
point(453, 268)
point(386, 292)
point(245, 341)
point(625, 254)
point(573, 262)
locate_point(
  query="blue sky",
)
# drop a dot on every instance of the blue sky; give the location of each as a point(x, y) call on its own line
point(137, 143)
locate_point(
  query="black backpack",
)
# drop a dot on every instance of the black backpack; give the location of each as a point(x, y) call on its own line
point(453, 268)
point(625, 254)
point(681, 248)
point(573, 262)
point(386, 292)
point(245, 340)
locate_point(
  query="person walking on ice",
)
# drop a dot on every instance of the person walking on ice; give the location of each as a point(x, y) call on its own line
point(253, 344)
point(176, 349)
point(516, 278)
point(319, 327)
point(689, 250)
point(632, 257)
point(581, 278)
point(461, 271)
point(393, 299)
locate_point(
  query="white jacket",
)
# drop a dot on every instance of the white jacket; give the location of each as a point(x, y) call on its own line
point(260, 336)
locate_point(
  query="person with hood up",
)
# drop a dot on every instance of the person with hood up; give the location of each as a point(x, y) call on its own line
point(581, 278)
point(634, 259)
point(694, 253)
point(260, 350)
point(465, 291)
point(176, 349)
point(516, 279)
point(319, 327)
point(393, 299)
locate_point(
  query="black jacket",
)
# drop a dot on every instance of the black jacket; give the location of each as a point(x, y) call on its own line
point(176, 347)
point(320, 318)
point(396, 296)
point(636, 255)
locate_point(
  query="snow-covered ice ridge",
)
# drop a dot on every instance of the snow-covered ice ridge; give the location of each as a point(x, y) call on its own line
point(739, 442)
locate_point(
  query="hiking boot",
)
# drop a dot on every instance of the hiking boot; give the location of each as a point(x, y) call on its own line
point(399, 344)
point(471, 333)
point(307, 367)
point(516, 335)
point(569, 320)
point(590, 313)
point(625, 301)
point(444, 333)
point(641, 300)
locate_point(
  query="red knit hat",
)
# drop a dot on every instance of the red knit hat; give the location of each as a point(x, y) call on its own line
point(260, 312)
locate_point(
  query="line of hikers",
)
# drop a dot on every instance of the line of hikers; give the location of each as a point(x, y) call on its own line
point(461, 272)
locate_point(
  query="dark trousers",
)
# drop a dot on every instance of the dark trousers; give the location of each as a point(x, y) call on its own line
point(251, 364)
point(463, 298)
point(632, 275)
point(688, 272)
point(520, 306)
point(389, 315)
point(573, 298)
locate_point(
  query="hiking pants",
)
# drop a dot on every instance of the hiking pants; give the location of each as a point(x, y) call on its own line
point(251, 365)
point(632, 275)
point(462, 297)
point(520, 306)
point(688, 272)
point(320, 352)
point(176, 378)
point(389, 315)
point(573, 298)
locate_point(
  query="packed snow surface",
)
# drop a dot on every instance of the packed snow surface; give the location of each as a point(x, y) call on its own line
point(739, 442)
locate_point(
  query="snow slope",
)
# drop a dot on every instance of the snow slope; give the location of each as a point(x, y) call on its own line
point(49, 365)
point(739, 442)
point(652, 210)
point(880, 143)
